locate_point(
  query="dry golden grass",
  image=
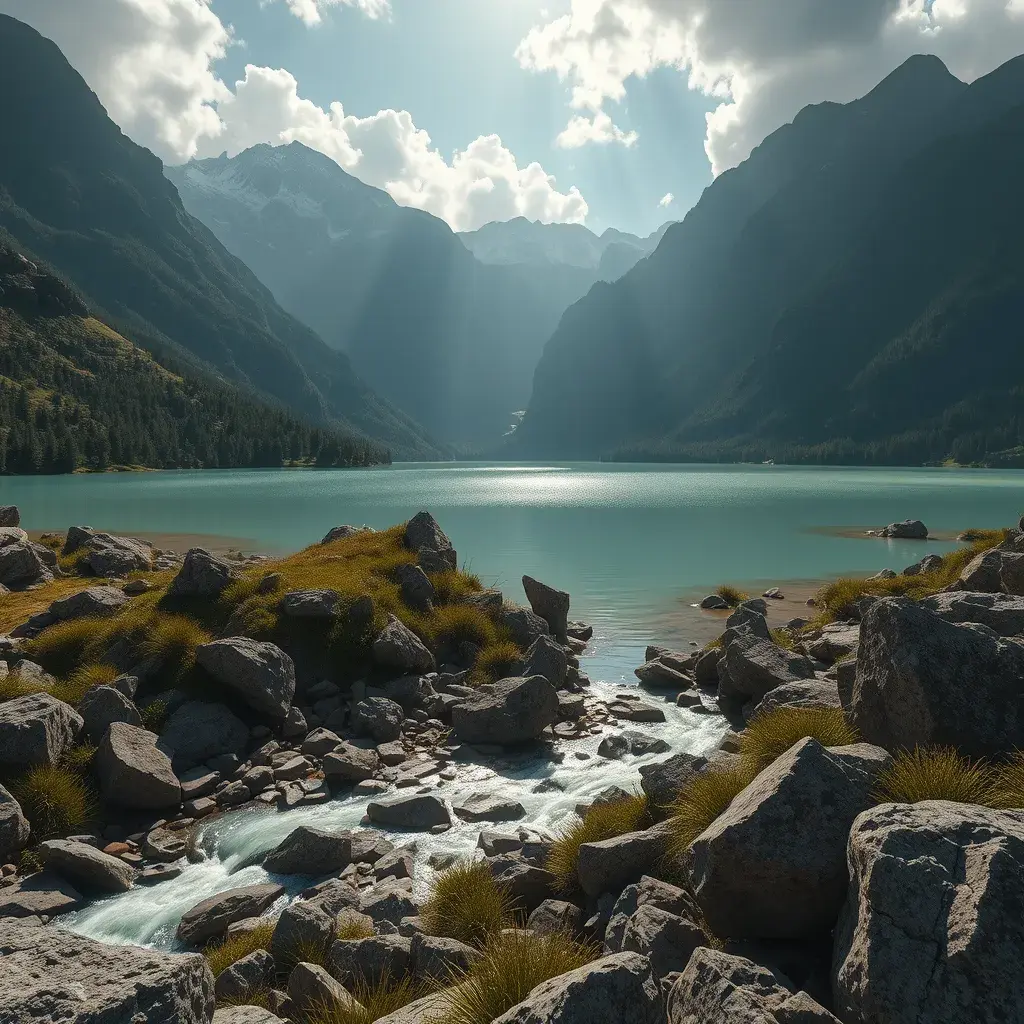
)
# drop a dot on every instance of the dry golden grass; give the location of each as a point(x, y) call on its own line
point(937, 773)
point(1008, 783)
point(56, 800)
point(17, 607)
point(769, 736)
point(465, 903)
point(496, 661)
point(731, 595)
point(230, 950)
point(701, 802)
point(351, 927)
point(372, 1002)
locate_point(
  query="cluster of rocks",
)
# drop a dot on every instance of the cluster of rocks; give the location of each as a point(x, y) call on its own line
point(29, 290)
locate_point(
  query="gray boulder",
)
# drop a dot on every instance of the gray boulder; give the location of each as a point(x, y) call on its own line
point(50, 974)
point(202, 574)
point(805, 693)
point(87, 867)
point(133, 772)
point(662, 781)
point(424, 536)
point(1000, 612)
point(718, 988)
point(310, 851)
point(410, 813)
point(611, 864)
point(398, 647)
point(102, 706)
point(311, 988)
point(932, 929)
point(909, 529)
point(14, 828)
point(524, 626)
point(245, 1015)
point(348, 763)
point(1011, 573)
point(922, 681)
point(556, 916)
point(245, 977)
point(106, 555)
point(659, 676)
point(611, 990)
point(510, 711)
point(370, 960)
point(548, 659)
point(93, 602)
point(344, 532)
point(10, 515)
point(21, 566)
point(260, 672)
point(436, 959)
point(390, 902)
point(198, 731)
point(310, 604)
point(527, 884)
point(378, 717)
point(550, 604)
point(982, 574)
point(647, 892)
point(666, 939)
point(417, 590)
point(36, 729)
point(39, 894)
point(211, 917)
point(755, 871)
point(301, 928)
point(835, 641)
point(757, 666)
point(489, 807)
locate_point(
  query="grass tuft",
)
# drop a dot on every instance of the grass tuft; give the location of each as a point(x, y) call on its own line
point(72, 689)
point(936, 773)
point(1009, 783)
point(231, 949)
point(466, 903)
point(79, 759)
point(497, 661)
point(706, 797)
point(372, 1002)
point(769, 736)
point(174, 639)
point(602, 821)
point(731, 595)
point(14, 685)
point(153, 715)
point(55, 799)
point(351, 927)
point(512, 965)
point(451, 587)
point(453, 624)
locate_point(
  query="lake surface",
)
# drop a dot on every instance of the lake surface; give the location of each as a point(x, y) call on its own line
point(633, 545)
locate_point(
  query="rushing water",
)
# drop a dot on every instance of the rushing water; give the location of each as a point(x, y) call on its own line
point(634, 546)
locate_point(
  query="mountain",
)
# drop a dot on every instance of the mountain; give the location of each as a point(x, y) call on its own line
point(449, 338)
point(76, 394)
point(842, 295)
point(84, 198)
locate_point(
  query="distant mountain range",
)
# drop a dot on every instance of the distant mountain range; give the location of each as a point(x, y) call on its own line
point(854, 291)
point(448, 327)
point(78, 194)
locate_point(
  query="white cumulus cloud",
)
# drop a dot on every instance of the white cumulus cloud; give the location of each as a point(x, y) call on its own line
point(600, 128)
point(666, 200)
point(763, 61)
point(151, 62)
point(309, 11)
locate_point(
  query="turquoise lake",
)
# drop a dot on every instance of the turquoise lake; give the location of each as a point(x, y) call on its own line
point(635, 546)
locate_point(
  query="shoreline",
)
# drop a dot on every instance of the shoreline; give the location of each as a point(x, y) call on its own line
point(179, 542)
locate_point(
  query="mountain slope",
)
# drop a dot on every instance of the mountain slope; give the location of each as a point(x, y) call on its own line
point(86, 199)
point(449, 339)
point(696, 352)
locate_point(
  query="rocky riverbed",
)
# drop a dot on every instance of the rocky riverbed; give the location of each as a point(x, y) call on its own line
point(307, 763)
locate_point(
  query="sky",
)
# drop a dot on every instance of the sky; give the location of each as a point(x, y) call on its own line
point(612, 113)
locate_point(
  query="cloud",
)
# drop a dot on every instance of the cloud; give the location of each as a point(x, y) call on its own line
point(151, 64)
point(763, 61)
point(599, 128)
point(666, 200)
point(309, 11)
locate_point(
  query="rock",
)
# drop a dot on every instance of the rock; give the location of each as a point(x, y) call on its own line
point(197, 731)
point(399, 647)
point(714, 603)
point(260, 672)
point(245, 1015)
point(301, 928)
point(370, 960)
point(611, 864)
point(417, 590)
point(310, 604)
point(310, 851)
point(611, 990)
point(201, 575)
point(410, 813)
point(647, 892)
point(718, 988)
point(211, 917)
point(21, 566)
point(524, 626)
point(435, 959)
point(659, 676)
point(548, 659)
point(932, 929)
point(101, 706)
point(344, 532)
point(14, 828)
point(348, 763)
point(705, 669)
point(93, 602)
point(909, 529)
point(550, 604)
point(320, 742)
point(634, 711)
point(378, 717)
point(390, 903)
point(510, 711)
point(245, 977)
point(423, 535)
point(666, 939)
point(805, 693)
point(757, 666)
point(528, 885)
point(107, 555)
point(10, 515)
point(312, 988)
point(87, 867)
point(489, 807)
point(36, 729)
point(663, 780)
point(754, 871)
point(1000, 612)
point(922, 681)
point(54, 975)
point(927, 564)
point(556, 916)
point(39, 894)
point(835, 641)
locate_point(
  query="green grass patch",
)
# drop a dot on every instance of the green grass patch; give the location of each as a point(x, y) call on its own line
point(731, 595)
point(79, 759)
point(72, 689)
point(602, 821)
point(451, 586)
point(454, 624)
point(231, 949)
point(936, 773)
point(1009, 783)
point(153, 715)
point(173, 639)
point(466, 903)
point(784, 638)
point(706, 797)
point(768, 737)
point(56, 800)
point(496, 661)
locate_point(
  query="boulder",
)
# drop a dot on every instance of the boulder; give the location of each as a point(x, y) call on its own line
point(336, 896)
point(10, 515)
point(659, 676)
point(527, 884)
point(909, 529)
point(611, 864)
point(21, 566)
point(548, 659)
point(310, 851)
point(718, 988)
point(40, 894)
point(86, 867)
point(705, 669)
point(804, 693)
point(757, 666)
point(389, 902)
point(835, 641)
point(647, 892)
point(301, 928)
point(320, 742)
point(36, 729)
point(410, 813)
point(714, 603)
point(133, 772)
point(417, 590)
point(211, 917)
point(666, 939)
point(202, 574)
point(310, 604)
point(102, 706)
point(106, 555)
point(982, 574)
point(14, 828)
point(489, 807)
point(662, 781)
point(398, 647)
point(50, 974)
point(523, 625)
point(772, 865)
point(245, 1015)
point(378, 717)
point(748, 617)
point(424, 536)
point(344, 532)
point(510, 711)
point(556, 916)
point(922, 681)
point(311, 988)
point(933, 928)
point(1011, 573)
point(612, 990)
point(93, 602)
point(550, 604)
point(198, 731)
point(370, 960)
point(1000, 612)
point(436, 959)
point(348, 763)
point(260, 672)
point(245, 977)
